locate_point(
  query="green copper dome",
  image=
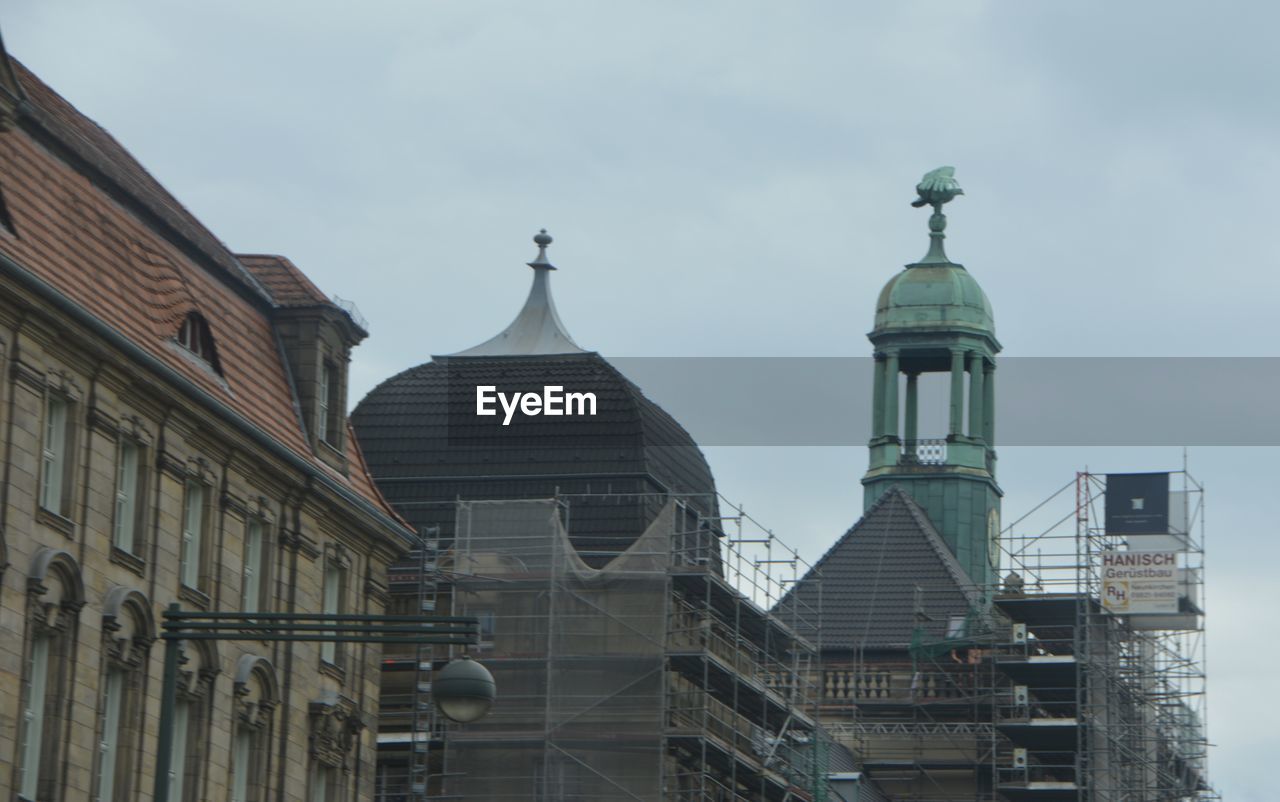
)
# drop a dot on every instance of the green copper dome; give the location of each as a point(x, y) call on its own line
point(933, 296)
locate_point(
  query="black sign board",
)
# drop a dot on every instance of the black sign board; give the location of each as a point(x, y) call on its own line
point(1137, 503)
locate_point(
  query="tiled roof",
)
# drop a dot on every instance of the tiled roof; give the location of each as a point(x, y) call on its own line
point(102, 153)
point(96, 227)
point(426, 447)
point(283, 280)
point(876, 578)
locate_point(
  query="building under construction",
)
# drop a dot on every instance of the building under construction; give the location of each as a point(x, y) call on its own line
point(1073, 678)
point(659, 676)
point(1034, 690)
point(627, 623)
point(645, 650)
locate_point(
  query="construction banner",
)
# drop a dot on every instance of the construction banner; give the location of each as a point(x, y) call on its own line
point(1140, 582)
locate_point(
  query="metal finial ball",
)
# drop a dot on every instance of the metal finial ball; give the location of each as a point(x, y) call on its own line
point(542, 239)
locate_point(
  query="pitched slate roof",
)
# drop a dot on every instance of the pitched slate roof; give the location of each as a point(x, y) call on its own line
point(283, 280)
point(874, 576)
point(97, 229)
point(426, 446)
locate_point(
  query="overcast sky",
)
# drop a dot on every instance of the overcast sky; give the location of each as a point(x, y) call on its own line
point(732, 179)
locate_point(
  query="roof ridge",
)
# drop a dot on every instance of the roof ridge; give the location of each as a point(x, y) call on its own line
point(892, 547)
point(875, 505)
point(124, 171)
point(949, 561)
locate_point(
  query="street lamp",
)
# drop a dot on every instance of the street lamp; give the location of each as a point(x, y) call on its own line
point(464, 690)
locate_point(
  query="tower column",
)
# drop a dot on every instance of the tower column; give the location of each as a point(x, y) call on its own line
point(957, 393)
point(976, 395)
point(891, 393)
point(912, 424)
point(877, 397)
point(989, 406)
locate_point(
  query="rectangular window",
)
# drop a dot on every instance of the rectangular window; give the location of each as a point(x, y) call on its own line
point(322, 402)
point(251, 589)
point(488, 624)
point(53, 462)
point(109, 746)
point(178, 750)
point(332, 606)
point(193, 518)
point(241, 764)
point(33, 718)
point(128, 499)
point(329, 405)
point(322, 784)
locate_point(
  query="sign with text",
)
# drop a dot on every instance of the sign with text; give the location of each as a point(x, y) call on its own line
point(1140, 582)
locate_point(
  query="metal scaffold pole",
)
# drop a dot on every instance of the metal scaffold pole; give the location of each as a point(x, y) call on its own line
point(423, 725)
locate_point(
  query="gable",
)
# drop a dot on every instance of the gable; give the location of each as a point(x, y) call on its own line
point(888, 576)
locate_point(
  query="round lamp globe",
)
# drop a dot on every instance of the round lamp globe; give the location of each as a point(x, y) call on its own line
point(464, 690)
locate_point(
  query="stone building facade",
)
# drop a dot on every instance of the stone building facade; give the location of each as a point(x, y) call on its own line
point(173, 430)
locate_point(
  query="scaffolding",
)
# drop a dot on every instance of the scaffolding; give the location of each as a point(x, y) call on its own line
point(1037, 691)
point(919, 721)
point(1100, 705)
point(411, 731)
point(662, 675)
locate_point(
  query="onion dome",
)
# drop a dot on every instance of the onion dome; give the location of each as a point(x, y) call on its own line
point(935, 293)
point(427, 448)
point(930, 296)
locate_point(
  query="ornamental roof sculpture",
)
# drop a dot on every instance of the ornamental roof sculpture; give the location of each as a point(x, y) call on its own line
point(537, 329)
point(936, 188)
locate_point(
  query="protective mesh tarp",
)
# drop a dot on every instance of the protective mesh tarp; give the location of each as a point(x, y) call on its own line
point(577, 654)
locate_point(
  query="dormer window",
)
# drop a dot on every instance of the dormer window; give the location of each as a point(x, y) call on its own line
point(195, 336)
point(329, 405)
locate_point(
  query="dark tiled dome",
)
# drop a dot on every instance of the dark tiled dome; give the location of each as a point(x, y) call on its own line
point(615, 469)
point(427, 448)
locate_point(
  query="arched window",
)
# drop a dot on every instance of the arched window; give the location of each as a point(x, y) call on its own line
point(55, 595)
point(127, 634)
point(188, 750)
point(195, 335)
point(256, 697)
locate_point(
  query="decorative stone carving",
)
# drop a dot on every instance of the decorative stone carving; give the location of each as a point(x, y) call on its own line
point(335, 725)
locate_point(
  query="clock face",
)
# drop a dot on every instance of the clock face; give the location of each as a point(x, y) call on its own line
point(993, 537)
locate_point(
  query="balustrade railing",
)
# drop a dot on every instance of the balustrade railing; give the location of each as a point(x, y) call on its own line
point(925, 452)
point(884, 684)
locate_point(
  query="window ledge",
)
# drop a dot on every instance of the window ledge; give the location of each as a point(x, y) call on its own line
point(190, 594)
point(333, 670)
point(129, 560)
point(53, 520)
point(331, 455)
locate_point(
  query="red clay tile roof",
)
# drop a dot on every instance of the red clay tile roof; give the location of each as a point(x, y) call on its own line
point(89, 141)
point(97, 234)
point(283, 280)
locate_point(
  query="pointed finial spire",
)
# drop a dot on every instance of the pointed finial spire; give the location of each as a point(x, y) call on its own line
point(542, 239)
point(936, 188)
point(537, 328)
